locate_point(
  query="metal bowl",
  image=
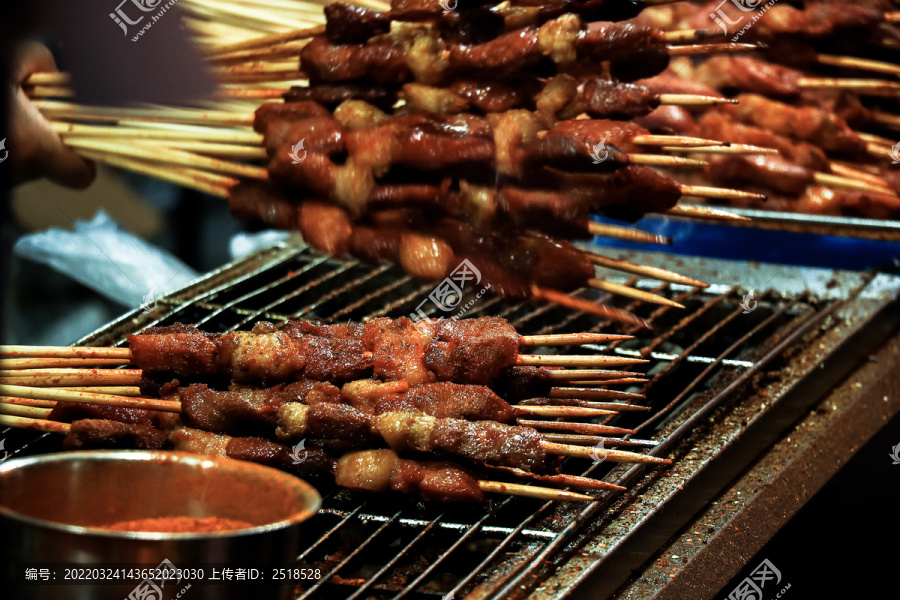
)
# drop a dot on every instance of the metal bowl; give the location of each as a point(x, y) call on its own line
point(53, 508)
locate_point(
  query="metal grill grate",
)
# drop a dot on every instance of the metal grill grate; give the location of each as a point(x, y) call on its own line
point(392, 547)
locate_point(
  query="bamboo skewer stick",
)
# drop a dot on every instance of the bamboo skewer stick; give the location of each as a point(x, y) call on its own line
point(591, 428)
point(704, 191)
point(116, 390)
point(605, 382)
point(8, 351)
point(629, 292)
point(878, 150)
point(252, 93)
point(530, 491)
point(571, 339)
point(864, 64)
point(703, 212)
point(578, 393)
point(286, 50)
point(564, 360)
point(679, 141)
point(268, 17)
point(886, 118)
point(190, 178)
point(694, 100)
point(732, 149)
point(24, 411)
point(661, 160)
point(598, 375)
point(40, 363)
point(872, 87)
point(847, 171)
point(563, 412)
point(874, 139)
point(653, 272)
point(173, 157)
point(205, 148)
point(269, 40)
point(575, 481)
point(88, 397)
point(34, 424)
point(185, 116)
point(616, 406)
point(193, 134)
point(847, 183)
point(71, 377)
point(30, 402)
point(587, 306)
point(696, 49)
point(605, 454)
point(591, 440)
point(629, 234)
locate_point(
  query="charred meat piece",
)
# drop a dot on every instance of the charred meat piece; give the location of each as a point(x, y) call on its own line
point(450, 400)
point(103, 433)
point(270, 357)
point(185, 353)
point(348, 331)
point(398, 348)
point(815, 125)
point(764, 170)
point(471, 350)
point(381, 63)
point(303, 462)
point(348, 23)
point(74, 411)
point(272, 112)
point(519, 383)
point(718, 125)
point(331, 95)
point(383, 470)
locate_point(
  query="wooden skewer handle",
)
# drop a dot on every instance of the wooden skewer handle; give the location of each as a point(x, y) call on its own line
point(53, 363)
point(571, 339)
point(34, 424)
point(622, 456)
point(89, 398)
point(63, 352)
point(578, 360)
point(532, 491)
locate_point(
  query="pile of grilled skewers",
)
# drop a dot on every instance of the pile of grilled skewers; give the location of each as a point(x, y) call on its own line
point(422, 138)
point(822, 90)
point(342, 401)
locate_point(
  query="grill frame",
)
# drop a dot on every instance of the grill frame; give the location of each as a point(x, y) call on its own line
point(854, 302)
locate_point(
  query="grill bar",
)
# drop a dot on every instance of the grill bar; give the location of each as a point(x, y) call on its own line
point(354, 553)
point(634, 472)
point(374, 578)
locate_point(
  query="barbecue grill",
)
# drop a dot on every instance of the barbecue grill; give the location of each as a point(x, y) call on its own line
point(730, 376)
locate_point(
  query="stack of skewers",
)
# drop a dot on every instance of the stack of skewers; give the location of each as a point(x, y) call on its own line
point(822, 90)
point(440, 408)
point(422, 138)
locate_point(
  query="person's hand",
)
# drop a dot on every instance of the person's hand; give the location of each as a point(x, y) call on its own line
point(35, 150)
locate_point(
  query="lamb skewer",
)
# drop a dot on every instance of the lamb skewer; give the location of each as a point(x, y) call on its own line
point(418, 352)
point(441, 481)
point(477, 441)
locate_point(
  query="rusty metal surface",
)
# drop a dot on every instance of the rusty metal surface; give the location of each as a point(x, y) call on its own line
point(703, 361)
point(738, 522)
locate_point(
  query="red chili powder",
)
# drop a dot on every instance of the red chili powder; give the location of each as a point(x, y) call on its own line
point(180, 525)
